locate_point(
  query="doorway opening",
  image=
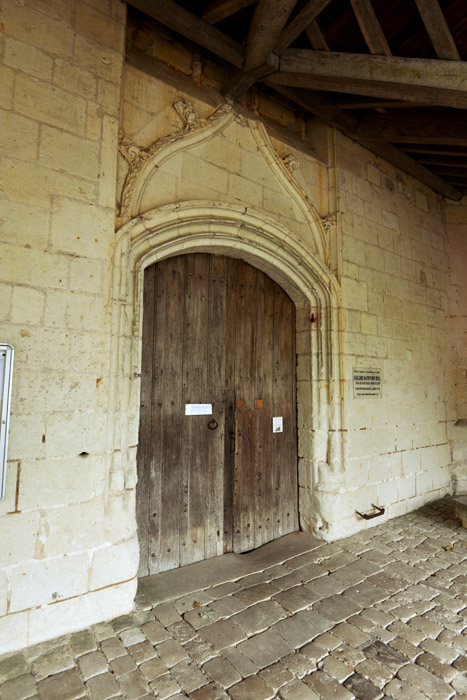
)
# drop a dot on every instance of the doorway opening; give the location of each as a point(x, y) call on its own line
point(217, 454)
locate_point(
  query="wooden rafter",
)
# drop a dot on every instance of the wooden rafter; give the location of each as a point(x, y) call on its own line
point(192, 27)
point(370, 27)
point(419, 127)
point(269, 19)
point(217, 10)
point(438, 30)
point(317, 37)
point(300, 23)
point(417, 80)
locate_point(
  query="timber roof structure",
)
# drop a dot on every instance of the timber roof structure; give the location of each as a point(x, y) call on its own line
point(390, 74)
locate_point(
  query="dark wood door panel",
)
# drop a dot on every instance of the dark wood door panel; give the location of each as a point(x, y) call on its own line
point(215, 330)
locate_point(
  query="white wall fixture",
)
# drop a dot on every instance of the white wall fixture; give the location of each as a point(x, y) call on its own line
point(6, 371)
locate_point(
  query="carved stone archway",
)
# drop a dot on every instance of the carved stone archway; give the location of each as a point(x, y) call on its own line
point(216, 227)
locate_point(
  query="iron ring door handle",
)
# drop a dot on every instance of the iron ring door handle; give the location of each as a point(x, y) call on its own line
point(212, 425)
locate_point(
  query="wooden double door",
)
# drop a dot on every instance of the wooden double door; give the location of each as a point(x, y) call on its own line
point(217, 332)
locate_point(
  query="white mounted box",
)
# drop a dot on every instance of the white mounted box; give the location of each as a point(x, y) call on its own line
point(6, 371)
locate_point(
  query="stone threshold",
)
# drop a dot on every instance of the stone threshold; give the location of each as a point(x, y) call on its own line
point(165, 586)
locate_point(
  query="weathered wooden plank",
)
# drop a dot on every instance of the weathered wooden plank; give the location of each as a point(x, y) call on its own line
point(217, 10)
point(262, 459)
point(216, 364)
point(459, 154)
point(317, 37)
point(370, 27)
point(284, 451)
point(229, 398)
point(448, 171)
point(195, 386)
point(436, 158)
point(145, 453)
point(375, 104)
point(438, 30)
point(192, 27)
point(244, 491)
point(419, 127)
point(417, 94)
point(169, 341)
point(299, 23)
point(269, 19)
point(421, 72)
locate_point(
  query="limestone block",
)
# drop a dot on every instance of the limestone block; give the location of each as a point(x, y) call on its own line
point(45, 33)
point(108, 96)
point(355, 294)
point(388, 492)
point(197, 171)
point(7, 80)
point(108, 168)
point(49, 104)
point(19, 531)
point(24, 222)
point(36, 185)
point(94, 118)
point(18, 136)
point(83, 312)
point(8, 503)
point(120, 519)
point(406, 487)
point(423, 483)
point(27, 306)
point(5, 300)
point(99, 60)
point(13, 632)
point(86, 276)
point(243, 190)
point(33, 427)
point(3, 593)
point(379, 467)
point(64, 151)
point(114, 564)
point(46, 483)
point(73, 528)
point(81, 229)
point(75, 614)
point(47, 581)
point(356, 472)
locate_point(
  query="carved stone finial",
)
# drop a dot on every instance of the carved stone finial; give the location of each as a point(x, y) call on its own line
point(290, 162)
point(187, 113)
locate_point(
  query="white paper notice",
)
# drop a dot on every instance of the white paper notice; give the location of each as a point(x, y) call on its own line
point(198, 409)
point(277, 425)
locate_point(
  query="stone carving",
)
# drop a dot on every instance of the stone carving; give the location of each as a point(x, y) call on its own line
point(329, 222)
point(291, 162)
point(137, 157)
point(188, 115)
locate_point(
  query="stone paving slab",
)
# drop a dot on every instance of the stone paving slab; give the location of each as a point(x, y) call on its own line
point(380, 615)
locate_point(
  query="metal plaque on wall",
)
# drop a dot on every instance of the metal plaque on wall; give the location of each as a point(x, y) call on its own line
point(366, 383)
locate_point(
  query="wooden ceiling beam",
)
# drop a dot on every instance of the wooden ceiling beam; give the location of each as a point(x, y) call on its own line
point(330, 114)
point(300, 23)
point(448, 161)
point(419, 127)
point(317, 37)
point(414, 94)
point(432, 82)
point(217, 10)
point(438, 30)
point(447, 172)
point(376, 104)
point(370, 27)
point(269, 19)
point(192, 27)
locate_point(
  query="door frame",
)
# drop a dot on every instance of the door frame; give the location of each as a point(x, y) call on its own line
point(228, 229)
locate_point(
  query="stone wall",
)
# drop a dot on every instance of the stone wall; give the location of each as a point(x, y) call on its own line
point(456, 228)
point(61, 534)
point(395, 292)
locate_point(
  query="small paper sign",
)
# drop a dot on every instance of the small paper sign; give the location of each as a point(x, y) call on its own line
point(277, 424)
point(198, 409)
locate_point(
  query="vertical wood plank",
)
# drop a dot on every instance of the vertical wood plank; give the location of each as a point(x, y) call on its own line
point(216, 364)
point(244, 474)
point(194, 449)
point(171, 336)
point(262, 458)
point(284, 444)
point(229, 398)
point(144, 453)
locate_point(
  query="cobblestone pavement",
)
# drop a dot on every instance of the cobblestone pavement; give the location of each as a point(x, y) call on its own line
point(380, 614)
